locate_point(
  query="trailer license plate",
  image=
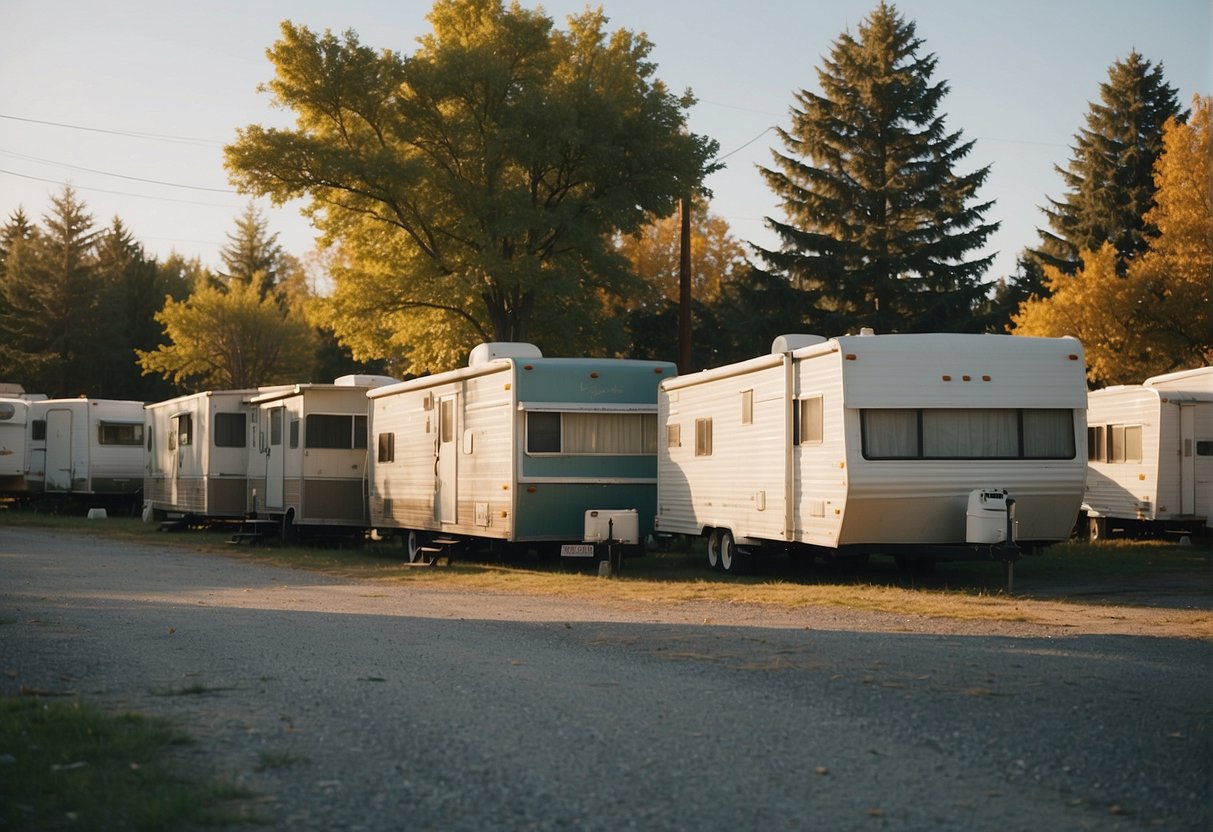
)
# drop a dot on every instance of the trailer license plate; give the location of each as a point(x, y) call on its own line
point(577, 550)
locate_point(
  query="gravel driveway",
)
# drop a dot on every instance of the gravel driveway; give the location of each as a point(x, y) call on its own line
point(379, 706)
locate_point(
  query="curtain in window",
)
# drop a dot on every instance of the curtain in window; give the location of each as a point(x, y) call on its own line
point(890, 433)
point(968, 434)
point(609, 433)
point(1048, 434)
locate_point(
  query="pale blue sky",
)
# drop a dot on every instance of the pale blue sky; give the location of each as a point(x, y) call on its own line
point(163, 84)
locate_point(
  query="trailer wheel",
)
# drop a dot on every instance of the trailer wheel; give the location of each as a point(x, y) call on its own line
point(413, 543)
point(714, 549)
point(1097, 528)
point(732, 559)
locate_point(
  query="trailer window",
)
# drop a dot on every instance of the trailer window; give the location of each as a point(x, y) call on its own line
point(1204, 447)
point(673, 435)
point(979, 433)
point(542, 433)
point(387, 447)
point(591, 434)
point(446, 421)
point(703, 437)
point(335, 431)
point(1124, 443)
point(1048, 434)
point(294, 433)
point(231, 430)
point(183, 431)
point(120, 433)
point(747, 407)
point(7, 411)
point(810, 424)
point(1095, 444)
point(37, 430)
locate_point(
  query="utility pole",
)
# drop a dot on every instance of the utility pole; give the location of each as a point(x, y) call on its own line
point(684, 290)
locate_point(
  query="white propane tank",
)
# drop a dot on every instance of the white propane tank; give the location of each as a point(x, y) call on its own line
point(618, 525)
point(986, 518)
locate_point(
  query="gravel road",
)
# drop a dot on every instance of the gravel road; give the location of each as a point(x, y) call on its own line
point(385, 706)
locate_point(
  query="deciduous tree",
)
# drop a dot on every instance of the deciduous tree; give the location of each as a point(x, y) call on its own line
point(717, 257)
point(474, 186)
point(1156, 318)
point(229, 340)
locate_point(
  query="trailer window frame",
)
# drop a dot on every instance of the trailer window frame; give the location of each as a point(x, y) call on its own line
point(182, 434)
point(386, 447)
point(231, 429)
point(335, 431)
point(585, 432)
point(942, 434)
point(113, 432)
point(809, 425)
point(703, 437)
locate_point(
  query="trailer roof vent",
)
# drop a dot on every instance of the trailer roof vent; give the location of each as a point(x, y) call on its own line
point(794, 341)
point(363, 380)
point(484, 353)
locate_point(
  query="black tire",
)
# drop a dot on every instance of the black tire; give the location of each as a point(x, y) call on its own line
point(414, 541)
point(714, 549)
point(733, 559)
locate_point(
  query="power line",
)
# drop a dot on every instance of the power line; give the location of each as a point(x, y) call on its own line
point(115, 175)
point(744, 146)
point(116, 193)
point(133, 134)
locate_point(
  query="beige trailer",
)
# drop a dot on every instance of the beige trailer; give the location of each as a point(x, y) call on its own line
point(927, 446)
point(309, 464)
point(1150, 449)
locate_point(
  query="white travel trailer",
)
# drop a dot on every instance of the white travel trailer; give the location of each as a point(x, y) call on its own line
point(14, 436)
point(85, 446)
point(1150, 456)
point(933, 446)
point(197, 459)
point(517, 448)
point(309, 464)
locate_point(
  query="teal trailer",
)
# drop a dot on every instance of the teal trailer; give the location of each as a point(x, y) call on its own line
point(515, 448)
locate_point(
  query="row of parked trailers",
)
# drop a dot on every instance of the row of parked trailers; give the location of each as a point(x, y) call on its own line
point(937, 445)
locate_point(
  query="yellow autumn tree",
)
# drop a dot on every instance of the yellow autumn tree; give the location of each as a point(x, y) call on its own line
point(1156, 318)
point(230, 340)
point(717, 258)
point(1175, 275)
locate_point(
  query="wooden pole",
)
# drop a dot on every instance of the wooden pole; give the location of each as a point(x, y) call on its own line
point(684, 291)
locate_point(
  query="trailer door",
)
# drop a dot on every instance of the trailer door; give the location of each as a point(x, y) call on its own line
point(275, 461)
point(446, 461)
point(59, 450)
point(1187, 459)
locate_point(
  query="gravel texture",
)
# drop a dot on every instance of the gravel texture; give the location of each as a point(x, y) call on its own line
point(384, 706)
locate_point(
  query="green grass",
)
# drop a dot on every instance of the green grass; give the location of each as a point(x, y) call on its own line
point(70, 766)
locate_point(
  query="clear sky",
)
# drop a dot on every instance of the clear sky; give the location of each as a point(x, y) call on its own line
point(131, 102)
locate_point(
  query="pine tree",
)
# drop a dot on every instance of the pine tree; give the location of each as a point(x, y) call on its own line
point(16, 230)
point(252, 255)
point(878, 222)
point(1156, 317)
point(1110, 180)
point(132, 292)
point(51, 304)
point(13, 233)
